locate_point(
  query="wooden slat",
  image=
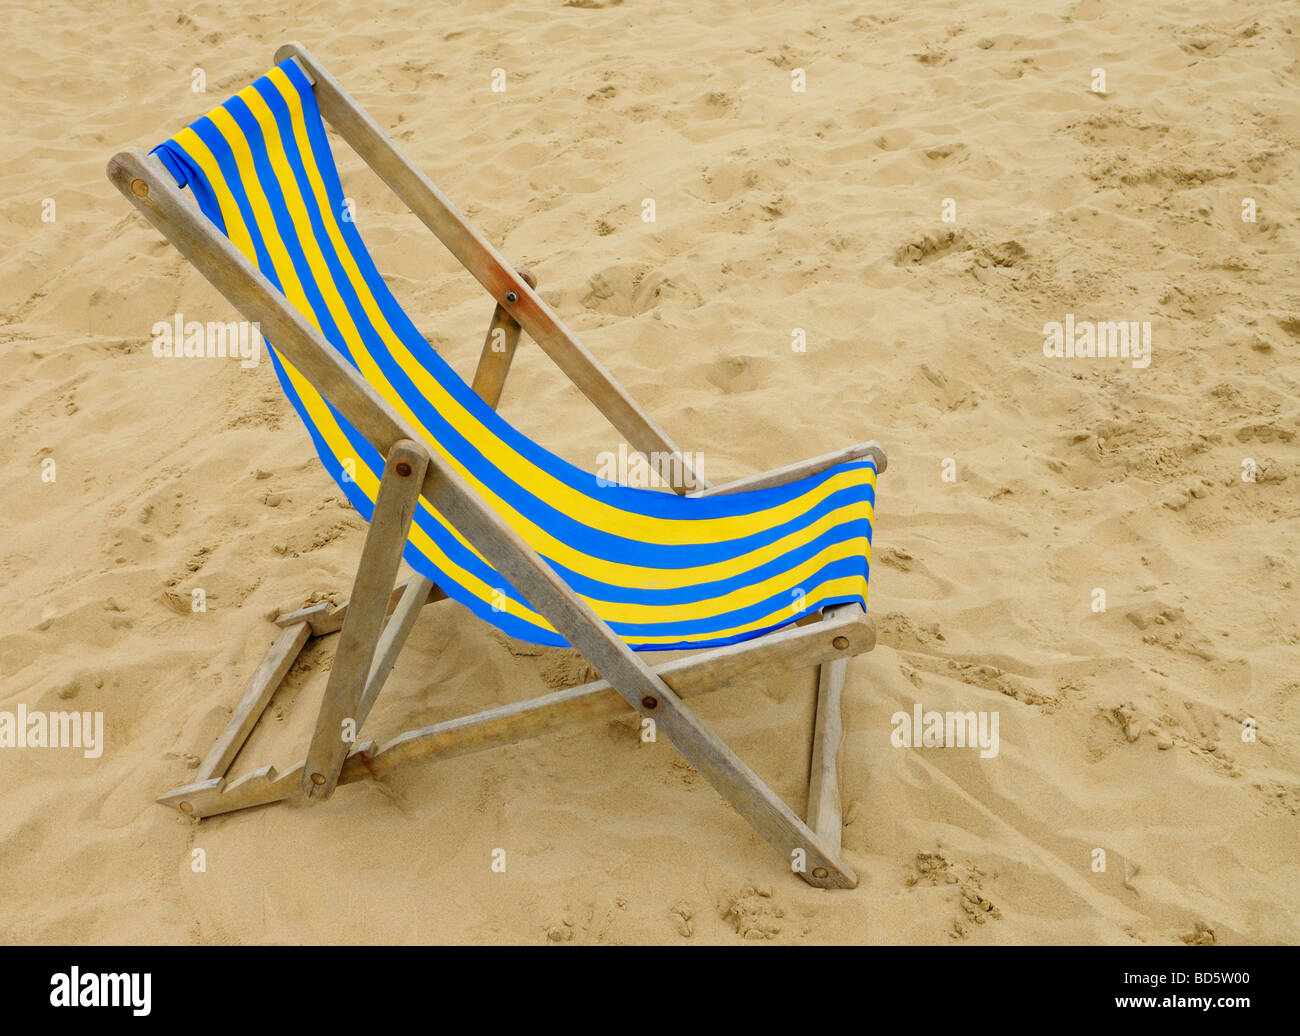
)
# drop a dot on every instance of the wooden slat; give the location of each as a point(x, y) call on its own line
point(258, 788)
point(803, 469)
point(482, 260)
point(794, 647)
point(257, 695)
point(323, 621)
point(395, 503)
point(493, 362)
point(702, 673)
point(145, 182)
point(398, 628)
point(318, 617)
point(824, 812)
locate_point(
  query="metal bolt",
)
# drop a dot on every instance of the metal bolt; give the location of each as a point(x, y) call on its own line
point(139, 188)
point(511, 297)
point(820, 873)
point(187, 807)
point(403, 468)
point(650, 701)
point(840, 643)
point(318, 778)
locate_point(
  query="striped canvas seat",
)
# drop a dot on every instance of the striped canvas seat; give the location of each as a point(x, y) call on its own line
point(664, 571)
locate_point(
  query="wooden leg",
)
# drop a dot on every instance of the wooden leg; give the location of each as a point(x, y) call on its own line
point(499, 350)
point(805, 852)
point(824, 808)
point(414, 597)
point(399, 492)
point(266, 678)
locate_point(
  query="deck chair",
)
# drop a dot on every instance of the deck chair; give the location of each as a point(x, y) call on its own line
point(766, 573)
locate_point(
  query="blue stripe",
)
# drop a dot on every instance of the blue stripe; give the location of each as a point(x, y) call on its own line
point(600, 543)
point(284, 223)
point(540, 512)
point(647, 502)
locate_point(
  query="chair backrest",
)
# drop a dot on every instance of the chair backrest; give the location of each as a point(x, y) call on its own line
point(664, 571)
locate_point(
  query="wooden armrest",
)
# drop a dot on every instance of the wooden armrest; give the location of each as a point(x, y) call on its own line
point(804, 469)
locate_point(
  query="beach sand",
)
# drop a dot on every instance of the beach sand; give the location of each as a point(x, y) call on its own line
point(1019, 484)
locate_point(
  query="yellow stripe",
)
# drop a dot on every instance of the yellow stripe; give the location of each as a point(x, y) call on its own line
point(543, 484)
point(537, 537)
point(230, 214)
point(611, 611)
point(368, 483)
point(522, 471)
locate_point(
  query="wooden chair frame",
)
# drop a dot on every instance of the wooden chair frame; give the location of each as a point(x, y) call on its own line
point(376, 621)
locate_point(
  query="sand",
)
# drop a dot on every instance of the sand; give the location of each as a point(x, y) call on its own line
point(1019, 484)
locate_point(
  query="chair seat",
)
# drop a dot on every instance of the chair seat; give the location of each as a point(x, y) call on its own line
point(664, 571)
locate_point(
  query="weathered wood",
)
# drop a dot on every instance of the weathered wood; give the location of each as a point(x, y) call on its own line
point(691, 676)
point(498, 351)
point(414, 597)
point(323, 621)
point(489, 379)
point(824, 812)
point(803, 469)
point(511, 291)
point(319, 618)
point(257, 695)
point(147, 185)
point(261, 786)
point(794, 647)
point(390, 523)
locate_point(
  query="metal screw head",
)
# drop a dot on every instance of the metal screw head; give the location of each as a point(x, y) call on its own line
point(187, 807)
point(139, 188)
point(821, 873)
point(318, 778)
point(650, 701)
point(840, 643)
point(403, 468)
point(511, 297)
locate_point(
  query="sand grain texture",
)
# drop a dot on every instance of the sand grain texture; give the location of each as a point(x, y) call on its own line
point(775, 210)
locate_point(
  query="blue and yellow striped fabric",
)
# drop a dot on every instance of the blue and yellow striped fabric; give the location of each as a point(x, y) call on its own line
point(664, 571)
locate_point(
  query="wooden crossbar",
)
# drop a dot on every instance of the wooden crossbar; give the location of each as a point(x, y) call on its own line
point(794, 647)
point(499, 350)
point(261, 686)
